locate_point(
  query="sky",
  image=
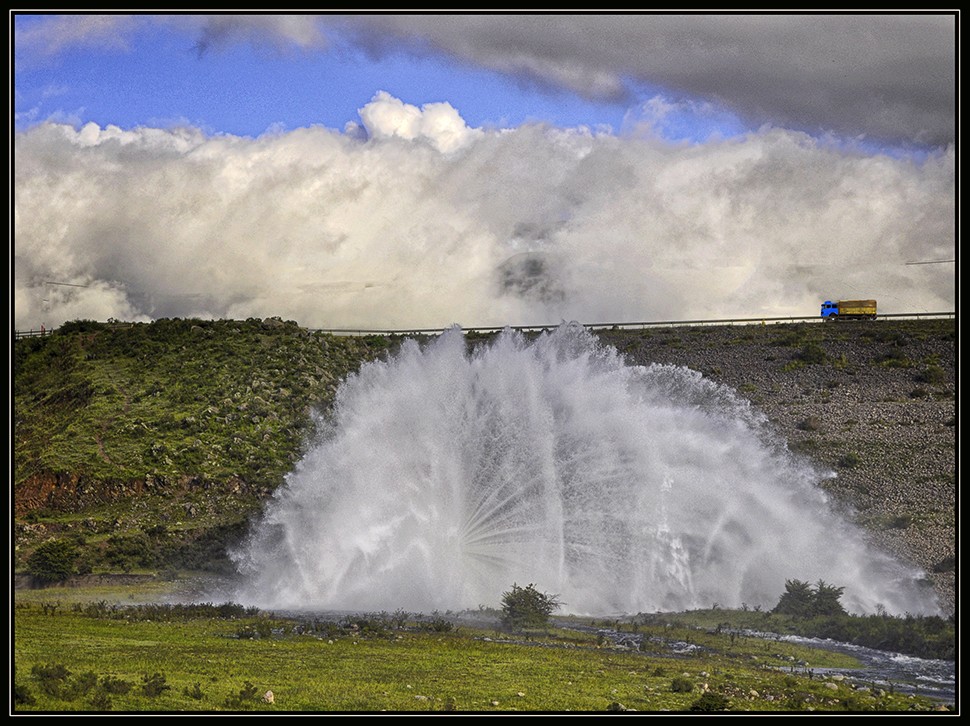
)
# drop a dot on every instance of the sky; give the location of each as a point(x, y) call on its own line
point(481, 169)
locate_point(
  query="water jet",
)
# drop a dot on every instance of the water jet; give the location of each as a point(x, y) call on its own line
point(448, 472)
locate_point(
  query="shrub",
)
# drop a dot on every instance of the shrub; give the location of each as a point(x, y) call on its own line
point(247, 694)
point(22, 695)
point(51, 677)
point(526, 607)
point(901, 521)
point(849, 461)
point(154, 685)
point(932, 374)
point(710, 701)
point(812, 354)
point(438, 624)
point(797, 599)
point(194, 692)
point(81, 326)
point(51, 671)
point(893, 360)
point(130, 551)
point(826, 600)
point(119, 686)
point(100, 701)
point(79, 686)
point(53, 561)
point(804, 446)
point(947, 564)
point(681, 685)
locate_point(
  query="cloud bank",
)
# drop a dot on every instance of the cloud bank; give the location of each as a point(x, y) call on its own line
point(413, 219)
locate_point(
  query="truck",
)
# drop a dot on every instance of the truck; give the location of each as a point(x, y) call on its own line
point(849, 310)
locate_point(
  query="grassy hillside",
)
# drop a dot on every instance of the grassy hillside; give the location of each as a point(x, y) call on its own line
point(137, 440)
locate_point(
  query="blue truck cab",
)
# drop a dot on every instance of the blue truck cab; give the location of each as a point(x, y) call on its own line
point(829, 309)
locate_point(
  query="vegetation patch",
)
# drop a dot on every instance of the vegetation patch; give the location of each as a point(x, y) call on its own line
point(187, 658)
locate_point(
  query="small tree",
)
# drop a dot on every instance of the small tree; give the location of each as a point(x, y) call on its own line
point(526, 607)
point(53, 561)
point(827, 599)
point(798, 599)
point(802, 601)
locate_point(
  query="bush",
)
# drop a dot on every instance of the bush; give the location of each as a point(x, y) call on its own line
point(53, 561)
point(119, 686)
point(130, 551)
point(710, 701)
point(901, 521)
point(22, 695)
point(893, 360)
point(947, 564)
point(100, 701)
point(437, 624)
point(812, 354)
point(81, 326)
point(194, 692)
point(154, 685)
point(932, 374)
point(681, 685)
point(51, 677)
point(526, 607)
point(247, 694)
point(79, 685)
point(849, 461)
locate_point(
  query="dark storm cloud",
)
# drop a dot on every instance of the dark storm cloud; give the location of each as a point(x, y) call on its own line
point(889, 77)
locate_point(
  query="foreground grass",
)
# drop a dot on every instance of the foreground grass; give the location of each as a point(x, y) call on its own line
point(74, 656)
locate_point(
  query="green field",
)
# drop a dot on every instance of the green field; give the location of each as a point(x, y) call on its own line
point(90, 649)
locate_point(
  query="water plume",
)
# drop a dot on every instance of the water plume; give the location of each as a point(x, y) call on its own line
point(449, 472)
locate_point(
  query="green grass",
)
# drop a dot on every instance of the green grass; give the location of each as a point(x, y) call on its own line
point(175, 398)
point(207, 667)
point(212, 658)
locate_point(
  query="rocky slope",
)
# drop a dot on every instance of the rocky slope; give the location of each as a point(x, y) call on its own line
point(873, 401)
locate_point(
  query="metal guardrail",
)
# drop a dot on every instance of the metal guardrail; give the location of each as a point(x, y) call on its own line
point(18, 334)
point(591, 326)
point(619, 326)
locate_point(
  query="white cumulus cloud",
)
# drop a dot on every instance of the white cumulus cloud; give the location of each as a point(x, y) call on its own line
point(531, 225)
point(439, 123)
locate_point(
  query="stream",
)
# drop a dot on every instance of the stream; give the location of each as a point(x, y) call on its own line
point(935, 679)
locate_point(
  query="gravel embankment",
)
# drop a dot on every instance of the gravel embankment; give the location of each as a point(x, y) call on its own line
point(874, 401)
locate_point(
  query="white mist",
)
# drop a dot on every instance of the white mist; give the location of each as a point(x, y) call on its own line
point(447, 476)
